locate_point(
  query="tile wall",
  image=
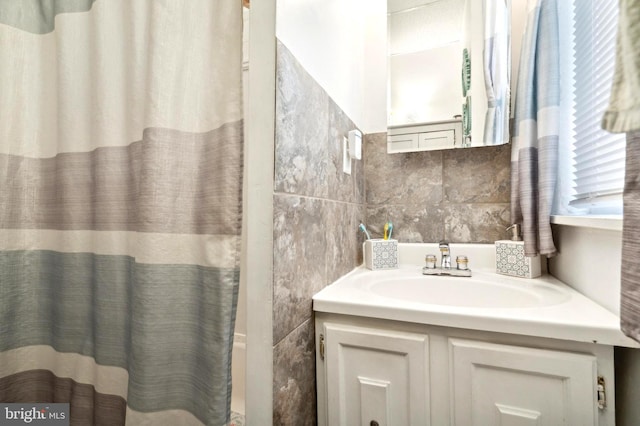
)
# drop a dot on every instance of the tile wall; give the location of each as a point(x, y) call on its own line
point(460, 195)
point(317, 209)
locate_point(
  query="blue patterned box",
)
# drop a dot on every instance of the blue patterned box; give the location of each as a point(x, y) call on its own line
point(381, 254)
point(510, 260)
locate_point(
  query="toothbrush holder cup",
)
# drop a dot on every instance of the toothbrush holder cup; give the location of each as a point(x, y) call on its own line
point(381, 254)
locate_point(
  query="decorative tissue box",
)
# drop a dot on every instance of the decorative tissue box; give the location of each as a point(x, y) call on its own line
point(510, 260)
point(381, 254)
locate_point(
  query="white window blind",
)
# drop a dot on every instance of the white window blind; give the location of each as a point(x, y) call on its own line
point(598, 155)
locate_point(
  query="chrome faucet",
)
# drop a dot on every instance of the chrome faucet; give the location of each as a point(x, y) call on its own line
point(445, 269)
point(446, 255)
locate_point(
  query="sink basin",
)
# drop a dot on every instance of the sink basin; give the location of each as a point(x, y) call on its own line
point(542, 307)
point(466, 292)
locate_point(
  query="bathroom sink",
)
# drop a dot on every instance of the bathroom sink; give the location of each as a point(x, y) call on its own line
point(470, 292)
point(540, 307)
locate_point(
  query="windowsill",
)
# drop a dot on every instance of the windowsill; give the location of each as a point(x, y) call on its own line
point(609, 222)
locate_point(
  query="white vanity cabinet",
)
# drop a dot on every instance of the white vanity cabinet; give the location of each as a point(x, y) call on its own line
point(381, 372)
point(375, 377)
point(513, 385)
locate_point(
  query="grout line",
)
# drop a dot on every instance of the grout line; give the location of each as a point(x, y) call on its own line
point(287, 194)
point(296, 328)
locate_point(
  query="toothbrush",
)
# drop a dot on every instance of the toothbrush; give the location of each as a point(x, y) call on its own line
point(364, 229)
point(388, 229)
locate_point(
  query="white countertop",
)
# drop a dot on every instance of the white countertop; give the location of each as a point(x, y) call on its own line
point(576, 318)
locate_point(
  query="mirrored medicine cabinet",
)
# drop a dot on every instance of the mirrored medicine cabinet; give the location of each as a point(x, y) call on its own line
point(449, 65)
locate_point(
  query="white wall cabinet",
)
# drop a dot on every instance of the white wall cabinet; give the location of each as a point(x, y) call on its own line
point(379, 372)
point(424, 137)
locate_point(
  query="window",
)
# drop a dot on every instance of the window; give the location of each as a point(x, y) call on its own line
point(594, 164)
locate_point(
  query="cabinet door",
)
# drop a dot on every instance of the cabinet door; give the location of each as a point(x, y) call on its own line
point(376, 377)
point(436, 140)
point(516, 386)
point(402, 143)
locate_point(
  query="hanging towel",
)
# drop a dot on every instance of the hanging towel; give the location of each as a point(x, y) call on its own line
point(623, 114)
point(630, 273)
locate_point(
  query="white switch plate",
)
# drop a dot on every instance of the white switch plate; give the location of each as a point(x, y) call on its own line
point(346, 158)
point(355, 144)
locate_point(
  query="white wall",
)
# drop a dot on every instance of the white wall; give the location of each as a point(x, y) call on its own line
point(342, 45)
point(589, 260)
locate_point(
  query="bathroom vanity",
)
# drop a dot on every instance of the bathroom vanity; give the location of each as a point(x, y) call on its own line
point(398, 348)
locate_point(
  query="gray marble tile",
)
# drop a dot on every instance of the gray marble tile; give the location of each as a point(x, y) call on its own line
point(344, 241)
point(299, 260)
point(301, 151)
point(477, 175)
point(294, 380)
point(476, 223)
point(342, 186)
point(411, 224)
point(411, 178)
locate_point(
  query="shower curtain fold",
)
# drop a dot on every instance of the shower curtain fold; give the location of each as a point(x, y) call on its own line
point(497, 63)
point(121, 139)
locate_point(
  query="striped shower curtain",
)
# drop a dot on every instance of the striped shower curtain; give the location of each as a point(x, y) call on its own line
point(120, 207)
point(534, 154)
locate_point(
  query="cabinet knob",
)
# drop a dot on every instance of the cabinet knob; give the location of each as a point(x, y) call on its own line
point(373, 423)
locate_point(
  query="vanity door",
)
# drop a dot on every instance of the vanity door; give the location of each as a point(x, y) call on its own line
point(375, 377)
point(505, 385)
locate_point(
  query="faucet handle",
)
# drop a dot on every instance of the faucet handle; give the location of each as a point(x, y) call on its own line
point(444, 246)
point(462, 262)
point(430, 261)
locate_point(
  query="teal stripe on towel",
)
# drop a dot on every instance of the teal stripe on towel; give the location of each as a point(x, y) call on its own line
point(158, 321)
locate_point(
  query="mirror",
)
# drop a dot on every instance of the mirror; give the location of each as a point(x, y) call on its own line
point(449, 65)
